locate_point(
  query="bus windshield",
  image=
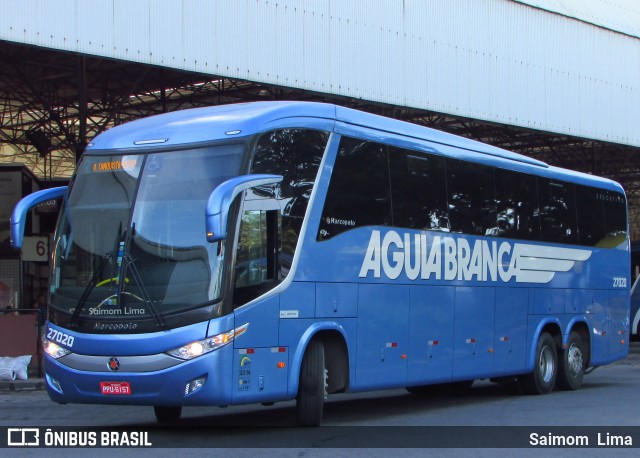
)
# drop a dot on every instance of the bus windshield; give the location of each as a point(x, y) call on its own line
point(131, 239)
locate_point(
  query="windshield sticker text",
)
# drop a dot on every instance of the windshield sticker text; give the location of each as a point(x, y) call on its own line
point(110, 166)
point(340, 222)
point(95, 311)
point(114, 326)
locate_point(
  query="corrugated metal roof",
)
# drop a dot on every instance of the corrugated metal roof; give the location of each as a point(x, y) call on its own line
point(618, 15)
point(504, 61)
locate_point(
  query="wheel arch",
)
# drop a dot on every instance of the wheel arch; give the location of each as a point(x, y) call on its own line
point(551, 326)
point(333, 337)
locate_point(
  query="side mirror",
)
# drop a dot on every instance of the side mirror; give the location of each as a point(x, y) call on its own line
point(19, 215)
point(217, 212)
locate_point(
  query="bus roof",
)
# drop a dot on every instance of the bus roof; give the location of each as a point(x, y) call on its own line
point(200, 125)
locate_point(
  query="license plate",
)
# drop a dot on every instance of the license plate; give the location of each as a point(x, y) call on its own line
point(110, 388)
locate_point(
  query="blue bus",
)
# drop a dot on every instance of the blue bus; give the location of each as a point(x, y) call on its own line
point(272, 251)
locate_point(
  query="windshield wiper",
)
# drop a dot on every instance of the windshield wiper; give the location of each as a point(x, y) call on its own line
point(94, 280)
point(153, 311)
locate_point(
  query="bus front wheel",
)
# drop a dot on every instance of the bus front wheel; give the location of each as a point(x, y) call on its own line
point(167, 414)
point(545, 368)
point(312, 386)
point(572, 363)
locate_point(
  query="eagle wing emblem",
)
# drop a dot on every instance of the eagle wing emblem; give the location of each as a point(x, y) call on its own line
point(539, 264)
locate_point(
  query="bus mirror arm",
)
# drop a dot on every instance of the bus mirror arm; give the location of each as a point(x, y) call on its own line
point(217, 212)
point(21, 210)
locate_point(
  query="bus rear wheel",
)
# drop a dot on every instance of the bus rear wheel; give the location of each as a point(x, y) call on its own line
point(572, 363)
point(167, 414)
point(312, 386)
point(545, 368)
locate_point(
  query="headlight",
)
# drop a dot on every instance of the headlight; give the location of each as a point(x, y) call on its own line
point(53, 349)
point(200, 347)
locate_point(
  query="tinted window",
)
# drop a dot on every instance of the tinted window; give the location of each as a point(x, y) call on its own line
point(590, 215)
point(272, 216)
point(615, 218)
point(418, 190)
point(557, 211)
point(472, 203)
point(359, 193)
point(517, 202)
point(375, 184)
point(296, 155)
point(293, 153)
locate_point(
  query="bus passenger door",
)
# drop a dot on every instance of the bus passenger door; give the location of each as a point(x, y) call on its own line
point(382, 341)
point(259, 362)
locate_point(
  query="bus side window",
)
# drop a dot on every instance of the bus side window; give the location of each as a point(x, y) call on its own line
point(590, 215)
point(615, 218)
point(256, 266)
point(516, 199)
point(557, 211)
point(296, 155)
point(418, 190)
point(472, 201)
point(359, 193)
point(272, 220)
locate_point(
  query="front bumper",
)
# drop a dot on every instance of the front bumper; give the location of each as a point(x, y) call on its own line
point(168, 386)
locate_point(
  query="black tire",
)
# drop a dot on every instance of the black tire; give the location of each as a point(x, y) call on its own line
point(545, 368)
point(572, 363)
point(167, 414)
point(312, 386)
